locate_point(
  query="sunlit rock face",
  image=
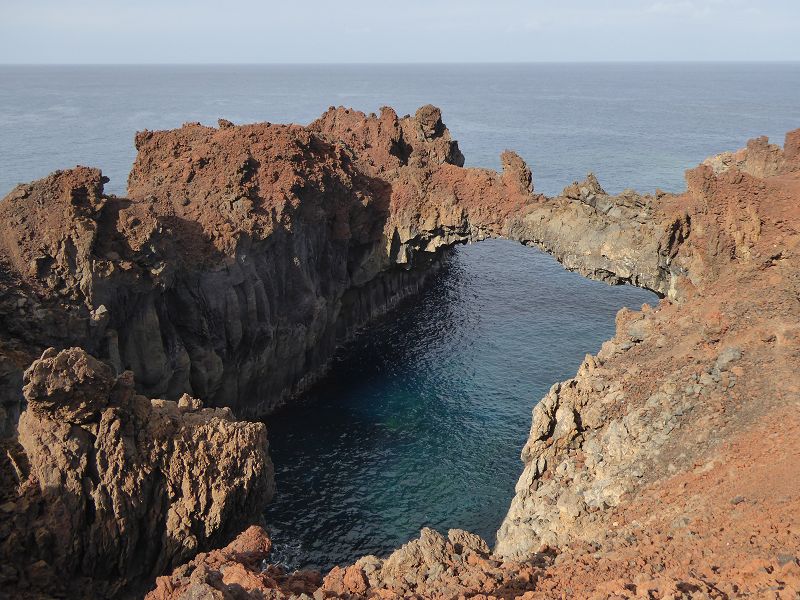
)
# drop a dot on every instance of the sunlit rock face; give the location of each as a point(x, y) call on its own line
point(243, 255)
point(120, 487)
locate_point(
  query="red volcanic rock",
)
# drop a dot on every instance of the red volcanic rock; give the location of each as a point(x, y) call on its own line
point(632, 467)
point(431, 567)
point(243, 256)
point(791, 151)
point(657, 470)
point(515, 172)
point(235, 571)
point(52, 221)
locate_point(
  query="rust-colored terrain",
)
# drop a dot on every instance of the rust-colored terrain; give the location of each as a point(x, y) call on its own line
point(667, 468)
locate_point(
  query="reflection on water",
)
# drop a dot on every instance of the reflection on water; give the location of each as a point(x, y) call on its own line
point(423, 417)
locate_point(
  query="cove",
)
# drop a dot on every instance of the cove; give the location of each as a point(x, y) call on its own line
point(423, 415)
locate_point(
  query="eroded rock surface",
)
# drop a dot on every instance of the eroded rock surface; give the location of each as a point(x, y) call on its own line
point(243, 254)
point(677, 394)
point(668, 467)
point(433, 566)
point(242, 257)
point(116, 487)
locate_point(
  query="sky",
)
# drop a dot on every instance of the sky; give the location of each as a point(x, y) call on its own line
point(375, 31)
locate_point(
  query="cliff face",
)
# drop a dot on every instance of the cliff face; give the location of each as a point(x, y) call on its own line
point(243, 255)
point(668, 466)
point(624, 239)
point(115, 487)
point(674, 401)
point(241, 258)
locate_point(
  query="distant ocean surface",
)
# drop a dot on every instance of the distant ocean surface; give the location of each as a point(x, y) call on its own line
point(634, 125)
point(422, 420)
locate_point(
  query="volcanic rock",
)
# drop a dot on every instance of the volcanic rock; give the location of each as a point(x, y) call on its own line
point(120, 487)
point(244, 255)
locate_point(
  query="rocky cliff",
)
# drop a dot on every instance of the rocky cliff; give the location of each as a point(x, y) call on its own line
point(667, 468)
point(244, 254)
point(677, 401)
point(114, 487)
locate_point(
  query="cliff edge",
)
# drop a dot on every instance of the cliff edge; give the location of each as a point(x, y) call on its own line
point(668, 467)
point(243, 255)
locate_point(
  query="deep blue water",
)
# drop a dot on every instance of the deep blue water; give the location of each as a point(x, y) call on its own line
point(422, 419)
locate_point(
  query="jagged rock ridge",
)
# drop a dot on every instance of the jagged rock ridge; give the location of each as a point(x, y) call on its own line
point(668, 466)
point(243, 255)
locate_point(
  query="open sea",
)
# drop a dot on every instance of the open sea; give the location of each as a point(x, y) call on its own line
point(423, 417)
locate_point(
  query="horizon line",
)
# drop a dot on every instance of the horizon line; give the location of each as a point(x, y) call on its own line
point(398, 63)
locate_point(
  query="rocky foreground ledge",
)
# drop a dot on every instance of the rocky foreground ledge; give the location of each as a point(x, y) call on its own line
point(113, 488)
point(244, 254)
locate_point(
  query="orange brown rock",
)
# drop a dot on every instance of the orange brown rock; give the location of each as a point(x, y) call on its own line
point(244, 254)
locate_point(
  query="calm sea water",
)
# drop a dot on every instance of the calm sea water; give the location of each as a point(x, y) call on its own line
point(635, 125)
point(423, 418)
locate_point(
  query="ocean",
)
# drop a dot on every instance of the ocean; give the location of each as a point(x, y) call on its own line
point(422, 419)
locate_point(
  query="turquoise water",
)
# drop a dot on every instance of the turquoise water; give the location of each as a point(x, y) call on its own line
point(422, 420)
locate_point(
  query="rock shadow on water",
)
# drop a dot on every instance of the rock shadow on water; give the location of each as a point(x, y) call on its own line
point(422, 417)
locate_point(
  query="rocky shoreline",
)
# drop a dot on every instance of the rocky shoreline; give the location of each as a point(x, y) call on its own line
point(241, 258)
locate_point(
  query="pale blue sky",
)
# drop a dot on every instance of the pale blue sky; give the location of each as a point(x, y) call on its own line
point(251, 31)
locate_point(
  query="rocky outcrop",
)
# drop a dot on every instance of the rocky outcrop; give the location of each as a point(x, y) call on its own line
point(623, 239)
point(668, 396)
point(244, 254)
point(760, 158)
point(667, 467)
point(235, 571)
point(433, 566)
point(118, 487)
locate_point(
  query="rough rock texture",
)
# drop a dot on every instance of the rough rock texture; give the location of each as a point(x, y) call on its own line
point(11, 400)
point(617, 239)
point(114, 487)
point(243, 255)
point(433, 566)
point(235, 571)
point(678, 394)
point(668, 467)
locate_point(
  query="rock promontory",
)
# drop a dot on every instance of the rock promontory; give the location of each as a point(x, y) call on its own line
point(242, 256)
